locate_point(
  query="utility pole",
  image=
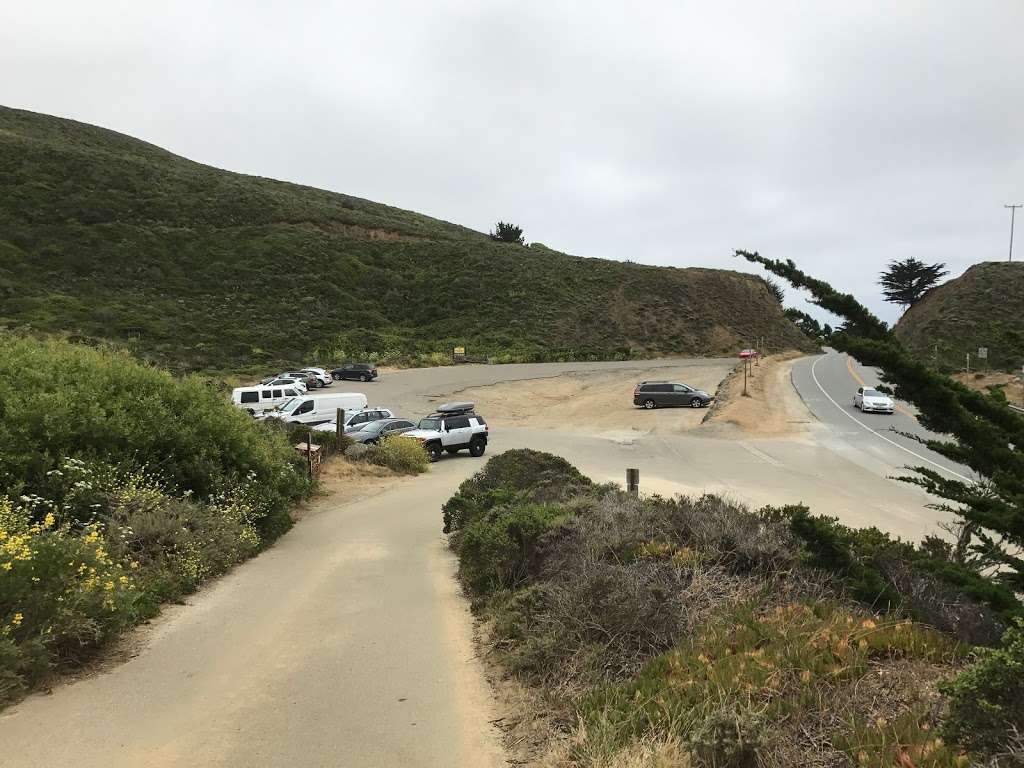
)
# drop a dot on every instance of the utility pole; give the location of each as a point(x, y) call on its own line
point(1013, 213)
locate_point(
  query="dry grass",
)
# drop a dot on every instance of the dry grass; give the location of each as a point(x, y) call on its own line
point(771, 407)
point(1012, 384)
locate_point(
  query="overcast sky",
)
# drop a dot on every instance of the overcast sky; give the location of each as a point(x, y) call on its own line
point(839, 134)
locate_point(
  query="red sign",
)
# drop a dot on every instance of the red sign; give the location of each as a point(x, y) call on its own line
point(748, 353)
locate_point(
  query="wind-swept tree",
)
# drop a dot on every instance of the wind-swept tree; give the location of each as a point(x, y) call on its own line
point(505, 232)
point(988, 437)
point(776, 290)
point(905, 282)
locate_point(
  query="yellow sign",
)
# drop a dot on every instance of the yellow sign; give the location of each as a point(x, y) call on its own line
point(459, 350)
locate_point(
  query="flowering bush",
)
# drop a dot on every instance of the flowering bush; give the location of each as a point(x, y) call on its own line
point(61, 594)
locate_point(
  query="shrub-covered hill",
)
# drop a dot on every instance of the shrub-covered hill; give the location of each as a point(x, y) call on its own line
point(104, 236)
point(984, 307)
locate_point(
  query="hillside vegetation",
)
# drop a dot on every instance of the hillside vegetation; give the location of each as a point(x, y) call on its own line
point(984, 307)
point(693, 632)
point(106, 237)
point(120, 487)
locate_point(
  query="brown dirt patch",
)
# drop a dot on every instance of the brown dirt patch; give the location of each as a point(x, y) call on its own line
point(771, 407)
point(1012, 384)
point(343, 481)
point(594, 402)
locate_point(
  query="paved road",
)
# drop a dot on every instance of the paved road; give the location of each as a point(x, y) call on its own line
point(826, 383)
point(347, 644)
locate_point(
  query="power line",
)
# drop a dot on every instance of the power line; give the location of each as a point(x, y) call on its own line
point(1013, 213)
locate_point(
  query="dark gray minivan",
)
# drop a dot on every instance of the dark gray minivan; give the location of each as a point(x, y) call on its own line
point(666, 394)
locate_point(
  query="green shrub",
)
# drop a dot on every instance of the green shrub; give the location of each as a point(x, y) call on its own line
point(58, 400)
point(887, 574)
point(986, 700)
point(402, 454)
point(61, 596)
point(522, 473)
point(500, 551)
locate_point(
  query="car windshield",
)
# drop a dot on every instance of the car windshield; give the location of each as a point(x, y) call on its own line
point(872, 393)
point(289, 405)
point(431, 422)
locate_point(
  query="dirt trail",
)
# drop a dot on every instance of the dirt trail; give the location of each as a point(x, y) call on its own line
point(771, 407)
point(347, 643)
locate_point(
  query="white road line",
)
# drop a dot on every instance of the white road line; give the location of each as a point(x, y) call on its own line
point(877, 434)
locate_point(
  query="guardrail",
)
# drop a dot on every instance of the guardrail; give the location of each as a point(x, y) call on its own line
point(1017, 408)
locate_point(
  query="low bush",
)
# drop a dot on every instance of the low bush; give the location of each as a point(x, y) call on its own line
point(523, 474)
point(719, 690)
point(986, 700)
point(500, 551)
point(402, 454)
point(120, 488)
point(889, 574)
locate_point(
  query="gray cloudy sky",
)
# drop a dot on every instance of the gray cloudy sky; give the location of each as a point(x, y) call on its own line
point(838, 134)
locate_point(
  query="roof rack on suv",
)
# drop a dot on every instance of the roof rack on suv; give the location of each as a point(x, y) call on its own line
point(451, 409)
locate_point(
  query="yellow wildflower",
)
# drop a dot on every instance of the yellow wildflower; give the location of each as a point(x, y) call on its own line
point(49, 521)
point(16, 621)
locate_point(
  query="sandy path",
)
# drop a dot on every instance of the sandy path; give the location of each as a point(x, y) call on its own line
point(346, 644)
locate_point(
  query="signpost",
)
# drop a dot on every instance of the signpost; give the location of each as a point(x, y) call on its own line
point(633, 481)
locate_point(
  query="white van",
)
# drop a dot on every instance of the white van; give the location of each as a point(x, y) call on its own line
point(307, 409)
point(262, 398)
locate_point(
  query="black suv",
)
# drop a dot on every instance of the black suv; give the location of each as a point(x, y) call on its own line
point(665, 394)
point(355, 371)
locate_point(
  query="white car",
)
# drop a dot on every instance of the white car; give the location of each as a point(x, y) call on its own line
point(453, 427)
point(320, 375)
point(287, 382)
point(872, 401)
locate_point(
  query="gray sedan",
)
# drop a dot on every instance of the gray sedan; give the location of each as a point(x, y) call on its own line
point(372, 431)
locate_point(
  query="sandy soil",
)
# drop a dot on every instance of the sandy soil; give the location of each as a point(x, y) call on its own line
point(771, 407)
point(1012, 384)
point(596, 403)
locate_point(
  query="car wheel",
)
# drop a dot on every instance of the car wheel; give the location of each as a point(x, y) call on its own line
point(250, 411)
point(477, 448)
point(649, 404)
point(433, 451)
point(696, 403)
point(365, 377)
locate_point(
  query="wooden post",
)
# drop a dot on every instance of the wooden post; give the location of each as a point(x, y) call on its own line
point(633, 481)
point(340, 421)
point(745, 363)
point(309, 454)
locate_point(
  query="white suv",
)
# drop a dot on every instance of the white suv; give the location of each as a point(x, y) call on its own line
point(320, 375)
point(451, 428)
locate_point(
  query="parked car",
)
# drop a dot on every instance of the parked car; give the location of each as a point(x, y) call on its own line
point(668, 394)
point(357, 418)
point(317, 410)
point(355, 371)
point(321, 375)
point(872, 401)
point(451, 428)
point(311, 381)
point(262, 398)
point(288, 381)
point(371, 432)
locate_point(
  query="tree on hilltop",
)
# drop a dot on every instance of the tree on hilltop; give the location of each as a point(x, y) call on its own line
point(905, 282)
point(508, 233)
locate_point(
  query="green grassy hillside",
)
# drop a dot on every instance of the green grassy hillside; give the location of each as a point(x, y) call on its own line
point(106, 237)
point(984, 307)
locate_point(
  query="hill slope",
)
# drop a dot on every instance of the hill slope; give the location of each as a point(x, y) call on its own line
point(984, 307)
point(106, 237)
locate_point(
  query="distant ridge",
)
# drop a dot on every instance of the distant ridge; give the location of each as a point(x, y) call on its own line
point(105, 237)
point(984, 307)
